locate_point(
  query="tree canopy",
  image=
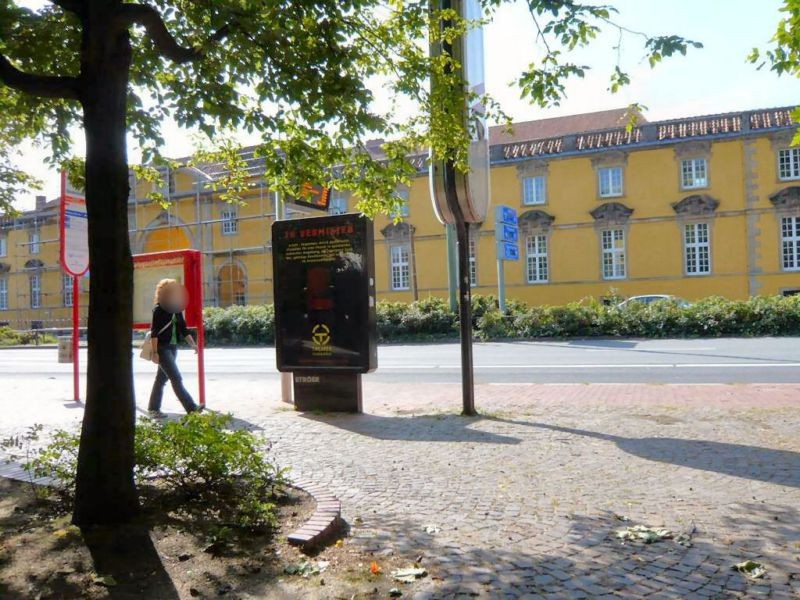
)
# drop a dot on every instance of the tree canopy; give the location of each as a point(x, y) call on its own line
point(303, 75)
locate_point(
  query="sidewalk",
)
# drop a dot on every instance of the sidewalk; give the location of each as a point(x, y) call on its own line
point(528, 498)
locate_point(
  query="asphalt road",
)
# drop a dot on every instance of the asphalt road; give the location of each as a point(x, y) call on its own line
point(728, 360)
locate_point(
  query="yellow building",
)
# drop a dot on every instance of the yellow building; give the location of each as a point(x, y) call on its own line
point(692, 207)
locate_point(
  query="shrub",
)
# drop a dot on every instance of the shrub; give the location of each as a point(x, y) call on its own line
point(198, 462)
point(431, 318)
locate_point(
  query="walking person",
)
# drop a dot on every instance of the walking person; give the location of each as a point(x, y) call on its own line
point(168, 326)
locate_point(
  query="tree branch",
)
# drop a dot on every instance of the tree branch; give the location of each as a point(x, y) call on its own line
point(45, 86)
point(149, 18)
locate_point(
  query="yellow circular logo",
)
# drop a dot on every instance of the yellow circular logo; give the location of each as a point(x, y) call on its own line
point(321, 334)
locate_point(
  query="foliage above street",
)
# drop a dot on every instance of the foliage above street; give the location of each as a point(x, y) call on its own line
point(307, 77)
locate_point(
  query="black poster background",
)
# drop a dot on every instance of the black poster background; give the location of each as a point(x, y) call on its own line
point(324, 271)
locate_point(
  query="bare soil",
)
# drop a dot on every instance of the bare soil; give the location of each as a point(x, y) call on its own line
point(42, 556)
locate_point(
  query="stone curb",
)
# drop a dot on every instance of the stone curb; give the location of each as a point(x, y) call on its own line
point(324, 523)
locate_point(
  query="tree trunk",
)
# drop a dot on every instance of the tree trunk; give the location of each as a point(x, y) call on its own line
point(105, 491)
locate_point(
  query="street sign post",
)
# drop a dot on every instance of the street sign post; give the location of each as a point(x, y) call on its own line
point(463, 198)
point(506, 232)
point(74, 257)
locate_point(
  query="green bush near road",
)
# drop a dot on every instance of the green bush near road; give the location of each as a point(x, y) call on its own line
point(9, 337)
point(431, 319)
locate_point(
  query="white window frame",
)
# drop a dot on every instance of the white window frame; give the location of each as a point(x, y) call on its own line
point(537, 259)
point(694, 173)
point(229, 217)
point(790, 243)
point(534, 190)
point(400, 267)
point(34, 242)
point(473, 258)
point(3, 245)
point(789, 164)
point(67, 289)
point(617, 259)
point(35, 287)
point(696, 250)
point(3, 293)
point(606, 181)
point(404, 210)
point(338, 204)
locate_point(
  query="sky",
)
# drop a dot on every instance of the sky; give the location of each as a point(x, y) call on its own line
point(710, 80)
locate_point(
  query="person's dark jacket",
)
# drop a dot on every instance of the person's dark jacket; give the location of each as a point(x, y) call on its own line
point(160, 318)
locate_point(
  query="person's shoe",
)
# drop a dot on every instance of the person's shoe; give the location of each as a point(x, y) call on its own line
point(156, 414)
point(195, 409)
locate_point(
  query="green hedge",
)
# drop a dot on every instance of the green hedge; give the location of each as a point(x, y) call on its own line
point(431, 319)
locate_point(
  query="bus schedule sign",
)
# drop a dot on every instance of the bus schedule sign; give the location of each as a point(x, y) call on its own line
point(324, 280)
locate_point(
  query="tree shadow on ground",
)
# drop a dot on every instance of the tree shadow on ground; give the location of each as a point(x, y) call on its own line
point(781, 467)
point(127, 554)
point(421, 428)
point(585, 560)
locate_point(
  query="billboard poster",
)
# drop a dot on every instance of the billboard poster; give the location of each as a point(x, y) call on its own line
point(74, 229)
point(324, 279)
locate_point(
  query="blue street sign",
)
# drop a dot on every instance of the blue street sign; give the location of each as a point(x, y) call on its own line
point(505, 214)
point(506, 251)
point(506, 233)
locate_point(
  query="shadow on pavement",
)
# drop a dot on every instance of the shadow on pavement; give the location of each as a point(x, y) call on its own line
point(780, 467)
point(579, 557)
point(424, 428)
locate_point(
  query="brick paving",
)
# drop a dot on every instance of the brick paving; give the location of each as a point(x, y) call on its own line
point(526, 500)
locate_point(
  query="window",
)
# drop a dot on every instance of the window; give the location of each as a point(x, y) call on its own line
point(790, 243)
point(67, 288)
point(694, 173)
point(400, 268)
point(534, 190)
point(613, 243)
point(33, 242)
point(473, 257)
point(230, 221)
point(789, 163)
point(610, 181)
point(403, 210)
point(3, 245)
point(338, 205)
point(697, 249)
point(36, 291)
point(537, 266)
point(239, 298)
point(3, 293)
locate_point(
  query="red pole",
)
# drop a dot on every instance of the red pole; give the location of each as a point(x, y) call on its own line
point(201, 366)
point(76, 315)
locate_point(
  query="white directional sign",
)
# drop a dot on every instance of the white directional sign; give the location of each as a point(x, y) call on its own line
point(74, 229)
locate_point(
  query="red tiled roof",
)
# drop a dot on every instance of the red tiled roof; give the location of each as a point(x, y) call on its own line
point(559, 126)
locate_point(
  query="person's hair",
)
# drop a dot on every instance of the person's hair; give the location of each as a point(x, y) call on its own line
point(161, 289)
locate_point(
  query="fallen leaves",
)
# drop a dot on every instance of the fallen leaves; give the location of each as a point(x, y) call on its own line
point(409, 575)
point(375, 568)
point(307, 568)
point(751, 569)
point(643, 533)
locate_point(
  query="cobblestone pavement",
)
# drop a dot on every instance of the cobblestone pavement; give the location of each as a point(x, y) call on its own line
point(526, 500)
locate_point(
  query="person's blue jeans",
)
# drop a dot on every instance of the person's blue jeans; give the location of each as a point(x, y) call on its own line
point(168, 370)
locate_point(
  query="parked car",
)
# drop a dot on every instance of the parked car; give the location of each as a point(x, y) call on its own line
point(652, 298)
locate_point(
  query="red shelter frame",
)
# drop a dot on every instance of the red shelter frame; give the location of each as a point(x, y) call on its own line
point(192, 261)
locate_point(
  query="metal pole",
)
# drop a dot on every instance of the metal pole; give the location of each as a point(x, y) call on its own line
point(465, 316)
point(287, 381)
point(501, 284)
point(76, 342)
point(452, 266)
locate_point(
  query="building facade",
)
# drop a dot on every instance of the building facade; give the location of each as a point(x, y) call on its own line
point(692, 207)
